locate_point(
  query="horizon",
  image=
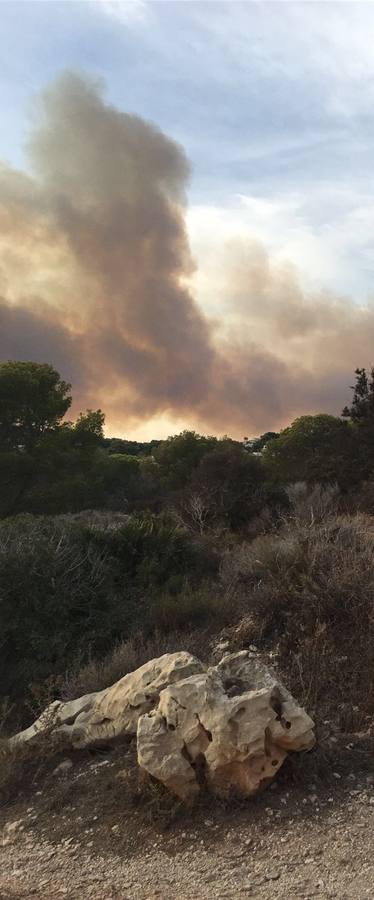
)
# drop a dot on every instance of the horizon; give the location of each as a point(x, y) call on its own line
point(187, 199)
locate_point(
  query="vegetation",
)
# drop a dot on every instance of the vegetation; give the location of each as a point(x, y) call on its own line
point(313, 449)
point(33, 400)
point(112, 550)
point(70, 589)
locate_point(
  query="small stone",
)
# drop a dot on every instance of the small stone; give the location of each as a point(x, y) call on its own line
point(63, 766)
point(14, 826)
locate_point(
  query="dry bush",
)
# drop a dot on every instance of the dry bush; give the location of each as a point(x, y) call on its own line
point(310, 591)
point(128, 656)
point(22, 764)
point(309, 505)
point(101, 519)
point(190, 608)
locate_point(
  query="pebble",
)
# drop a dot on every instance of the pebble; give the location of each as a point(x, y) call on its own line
point(63, 766)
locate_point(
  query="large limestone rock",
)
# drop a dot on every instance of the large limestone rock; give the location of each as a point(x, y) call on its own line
point(231, 727)
point(102, 716)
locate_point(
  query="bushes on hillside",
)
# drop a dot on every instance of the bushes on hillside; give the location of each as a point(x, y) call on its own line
point(310, 592)
point(227, 490)
point(69, 591)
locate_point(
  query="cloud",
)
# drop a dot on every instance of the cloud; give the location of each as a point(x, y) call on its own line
point(126, 12)
point(97, 276)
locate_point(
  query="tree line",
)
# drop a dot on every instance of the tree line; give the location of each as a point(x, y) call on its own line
point(50, 465)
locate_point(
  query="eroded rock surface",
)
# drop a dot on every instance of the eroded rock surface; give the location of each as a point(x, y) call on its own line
point(107, 714)
point(231, 726)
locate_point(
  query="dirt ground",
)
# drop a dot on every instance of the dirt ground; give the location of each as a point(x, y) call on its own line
point(92, 832)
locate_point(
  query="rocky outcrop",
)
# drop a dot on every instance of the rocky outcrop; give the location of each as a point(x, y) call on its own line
point(105, 715)
point(231, 727)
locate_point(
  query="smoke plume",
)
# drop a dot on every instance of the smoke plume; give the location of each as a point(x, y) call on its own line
point(94, 277)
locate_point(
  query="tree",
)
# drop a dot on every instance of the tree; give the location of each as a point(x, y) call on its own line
point(227, 488)
point(361, 411)
point(313, 449)
point(33, 400)
point(361, 415)
point(89, 428)
point(257, 445)
point(179, 455)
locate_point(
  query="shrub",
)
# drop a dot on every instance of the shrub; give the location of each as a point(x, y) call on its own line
point(228, 490)
point(70, 589)
point(59, 597)
point(127, 656)
point(311, 591)
point(188, 609)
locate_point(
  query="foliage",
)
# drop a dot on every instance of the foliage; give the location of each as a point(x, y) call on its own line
point(89, 427)
point(69, 591)
point(257, 445)
point(309, 590)
point(313, 449)
point(361, 411)
point(228, 488)
point(180, 455)
point(130, 448)
point(33, 399)
point(361, 415)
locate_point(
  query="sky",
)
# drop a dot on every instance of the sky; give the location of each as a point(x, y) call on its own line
point(254, 177)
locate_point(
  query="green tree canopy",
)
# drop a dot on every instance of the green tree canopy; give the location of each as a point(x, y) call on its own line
point(229, 481)
point(33, 400)
point(179, 455)
point(89, 428)
point(257, 445)
point(313, 449)
point(361, 415)
point(361, 411)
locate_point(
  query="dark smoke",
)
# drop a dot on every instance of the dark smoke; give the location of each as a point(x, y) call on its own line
point(94, 268)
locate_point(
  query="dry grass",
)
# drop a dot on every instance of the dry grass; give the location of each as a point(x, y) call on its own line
point(22, 765)
point(128, 656)
point(310, 593)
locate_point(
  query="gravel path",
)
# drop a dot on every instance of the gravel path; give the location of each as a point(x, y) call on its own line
point(292, 842)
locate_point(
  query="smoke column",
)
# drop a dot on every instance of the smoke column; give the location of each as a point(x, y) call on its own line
point(94, 277)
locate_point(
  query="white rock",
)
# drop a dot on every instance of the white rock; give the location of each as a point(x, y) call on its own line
point(230, 727)
point(235, 723)
point(107, 714)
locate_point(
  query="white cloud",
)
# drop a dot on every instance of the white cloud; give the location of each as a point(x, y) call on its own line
point(325, 234)
point(127, 12)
